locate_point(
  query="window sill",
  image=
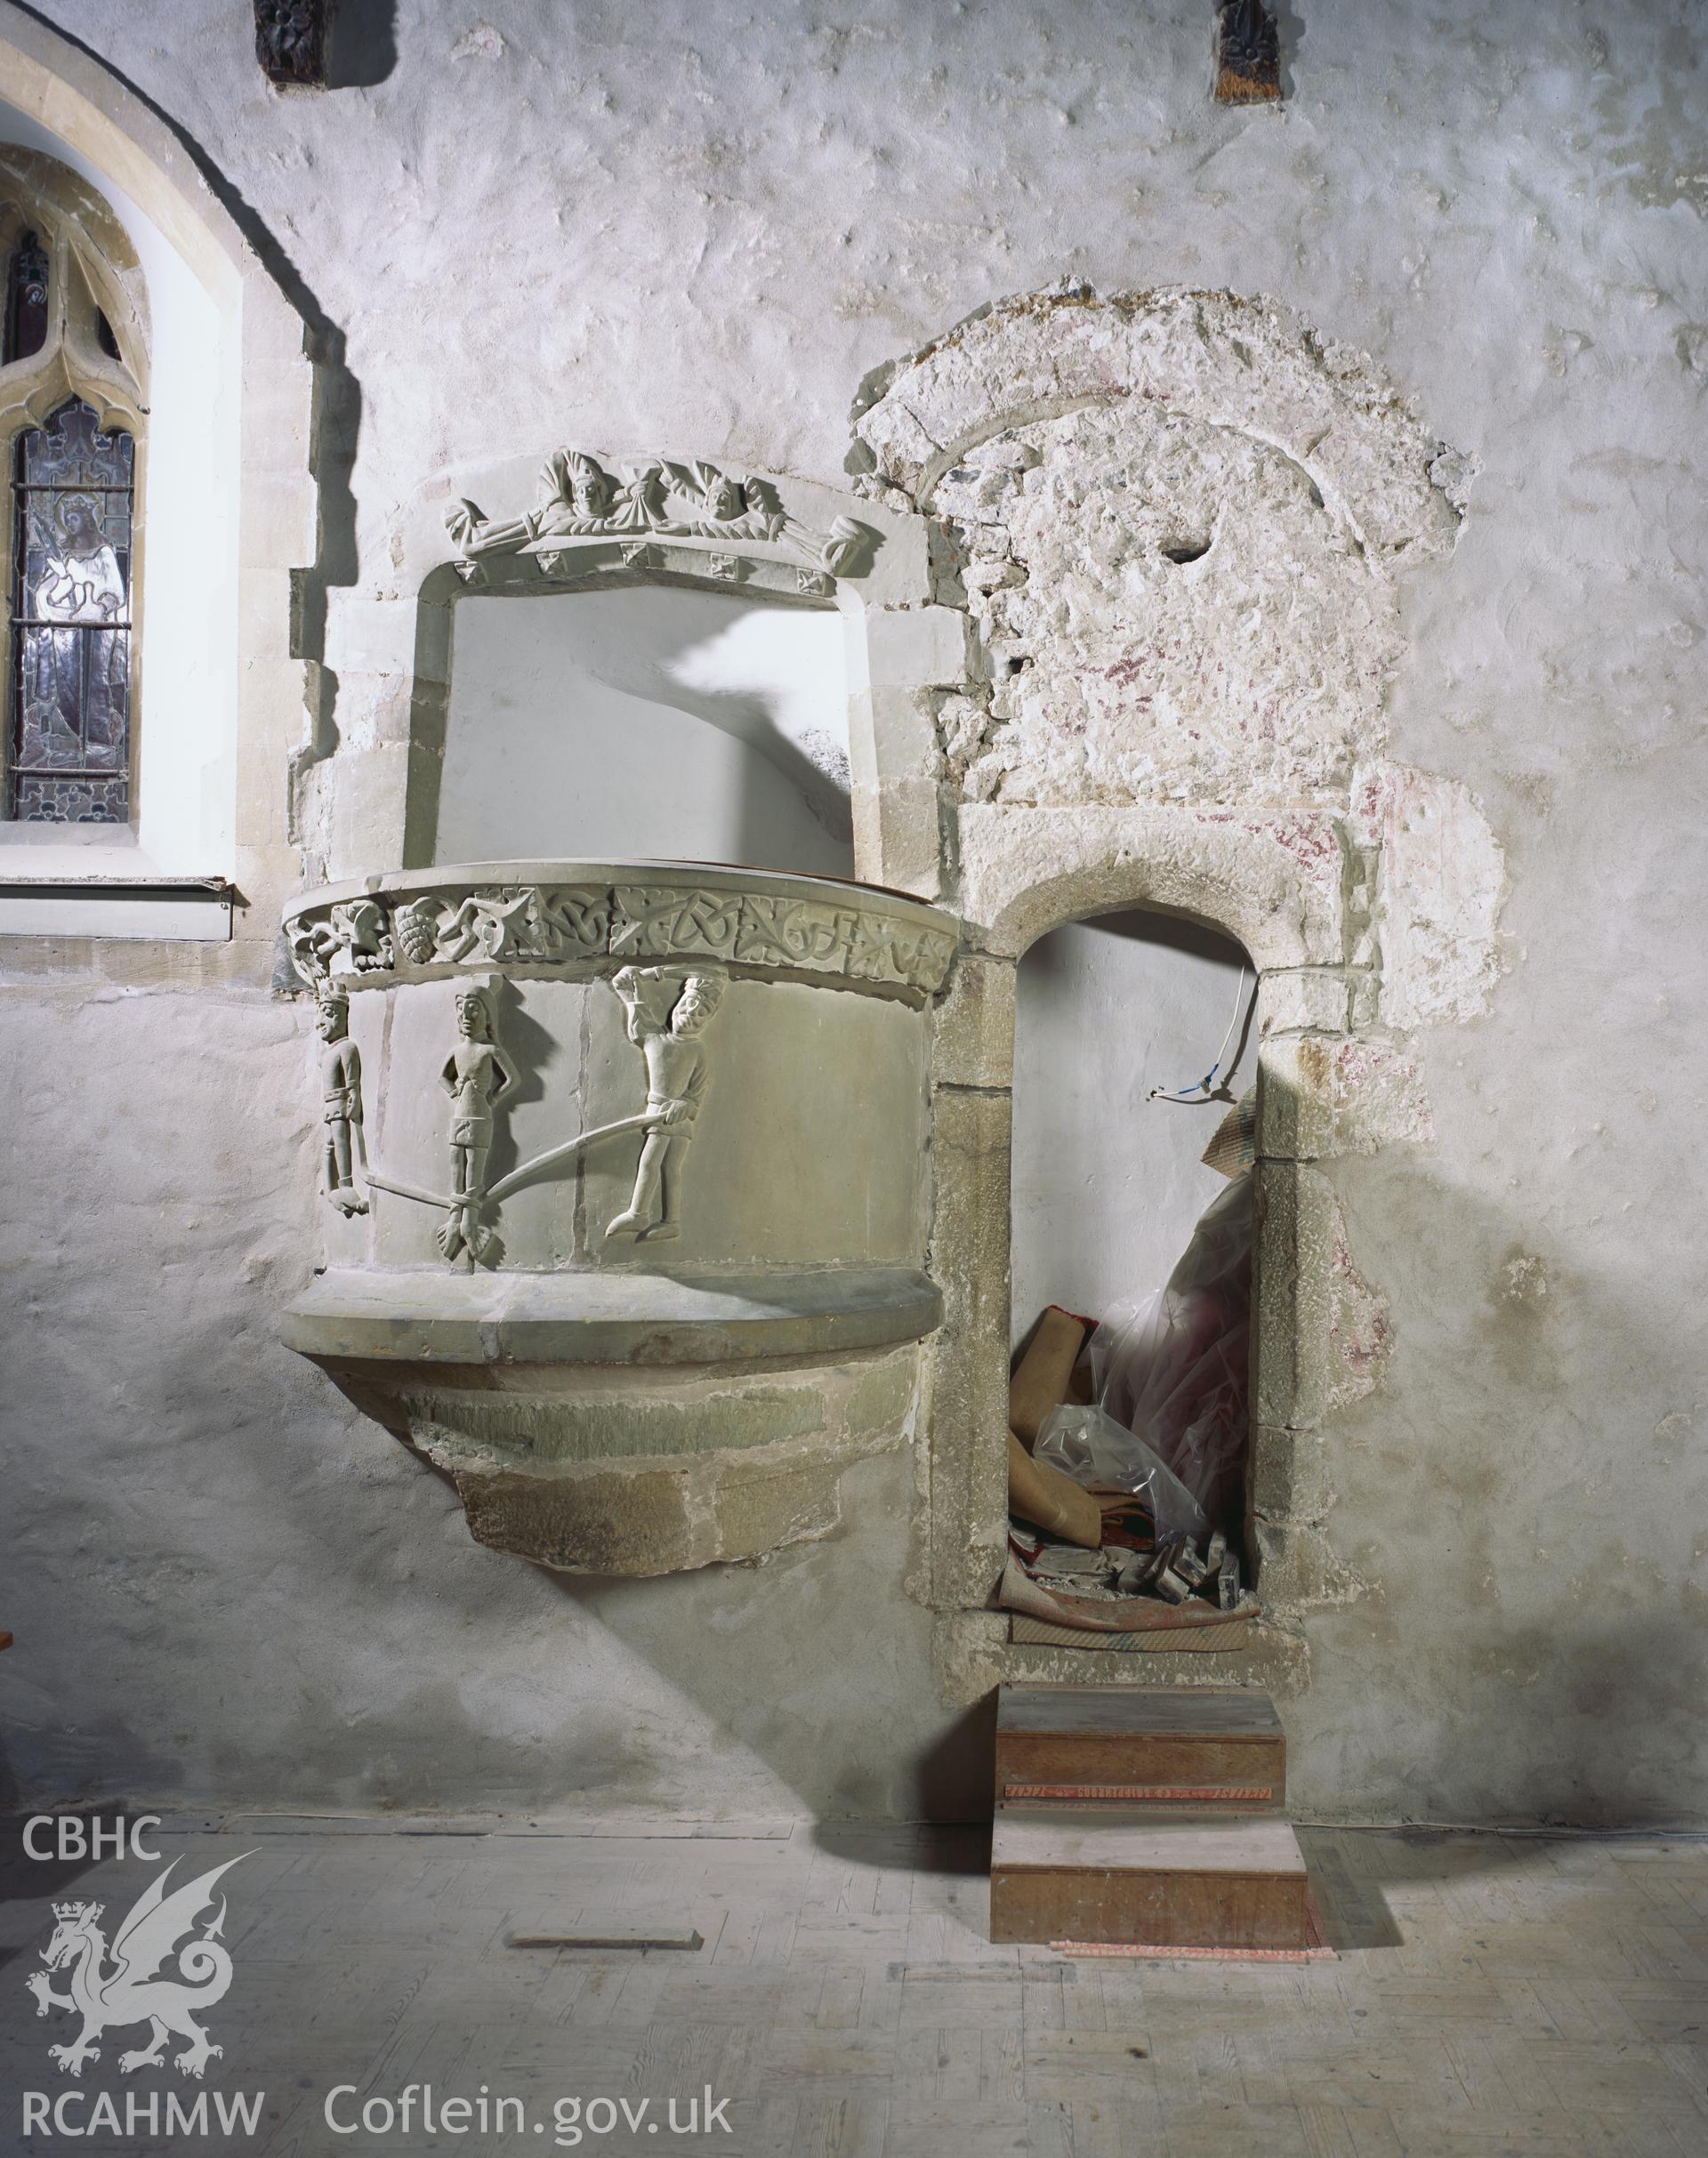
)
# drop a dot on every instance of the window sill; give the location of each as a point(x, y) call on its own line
point(180, 910)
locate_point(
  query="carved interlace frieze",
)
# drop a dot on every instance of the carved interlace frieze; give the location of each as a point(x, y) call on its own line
point(579, 499)
point(351, 938)
point(382, 934)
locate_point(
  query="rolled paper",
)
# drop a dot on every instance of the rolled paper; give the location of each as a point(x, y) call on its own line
point(1038, 1493)
point(1045, 1372)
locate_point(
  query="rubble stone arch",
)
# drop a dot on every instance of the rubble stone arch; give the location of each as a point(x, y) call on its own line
point(1177, 522)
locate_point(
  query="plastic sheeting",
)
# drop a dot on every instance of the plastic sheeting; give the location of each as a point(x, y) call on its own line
point(1174, 1371)
point(1089, 1446)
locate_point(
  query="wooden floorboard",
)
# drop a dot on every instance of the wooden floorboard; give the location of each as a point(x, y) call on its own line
point(1495, 1996)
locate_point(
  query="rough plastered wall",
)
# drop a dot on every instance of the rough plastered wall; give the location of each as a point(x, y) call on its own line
point(1106, 1185)
point(703, 227)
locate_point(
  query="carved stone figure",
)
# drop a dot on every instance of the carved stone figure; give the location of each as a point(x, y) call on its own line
point(668, 1014)
point(342, 1149)
point(353, 939)
point(724, 500)
point(477, 1078)
point(585, 490)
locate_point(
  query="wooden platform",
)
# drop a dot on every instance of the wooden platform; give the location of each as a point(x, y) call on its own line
point(1144, 1816)
point(1061, 1873)
point(1222, 1740)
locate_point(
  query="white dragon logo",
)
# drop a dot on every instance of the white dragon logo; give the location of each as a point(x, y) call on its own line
point(130, 1991)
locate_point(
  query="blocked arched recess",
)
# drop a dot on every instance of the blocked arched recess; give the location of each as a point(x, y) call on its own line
point(1320, 1332)
point(65, 90)
point(1107, 476)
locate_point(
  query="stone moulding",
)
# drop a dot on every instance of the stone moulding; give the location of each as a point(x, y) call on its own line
point(578, 500)
point(654, 1321)
point(421, 924)
point(616, 1477)
point(624, 1193)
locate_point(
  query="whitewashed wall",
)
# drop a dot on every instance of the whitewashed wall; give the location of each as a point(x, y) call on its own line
point(700, 227)
point(647, 724)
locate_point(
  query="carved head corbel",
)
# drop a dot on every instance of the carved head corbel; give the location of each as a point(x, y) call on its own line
point(581, 484)
point(701, 995)
point(474, 1010)
point(331, 1013)
point(722, 497)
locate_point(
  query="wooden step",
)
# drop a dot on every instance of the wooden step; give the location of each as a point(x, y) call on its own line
point(1072, 1873)
point(1207, 1746)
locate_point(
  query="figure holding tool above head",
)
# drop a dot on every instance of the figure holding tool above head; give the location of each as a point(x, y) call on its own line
point(477, 1078)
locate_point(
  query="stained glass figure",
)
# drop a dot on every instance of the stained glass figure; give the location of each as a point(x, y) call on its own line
point(25, 320)
point(70, 749)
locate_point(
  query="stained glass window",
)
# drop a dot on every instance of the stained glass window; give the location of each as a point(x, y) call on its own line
point(70, 749)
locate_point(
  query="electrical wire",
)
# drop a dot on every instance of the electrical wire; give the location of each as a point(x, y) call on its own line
point(1205, 1090)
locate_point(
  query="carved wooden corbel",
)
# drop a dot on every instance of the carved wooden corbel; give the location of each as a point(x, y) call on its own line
point(291, 40)
point(1248, 54)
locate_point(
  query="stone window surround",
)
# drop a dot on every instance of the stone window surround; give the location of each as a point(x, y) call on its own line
point(92, 266)
point(189, 930)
